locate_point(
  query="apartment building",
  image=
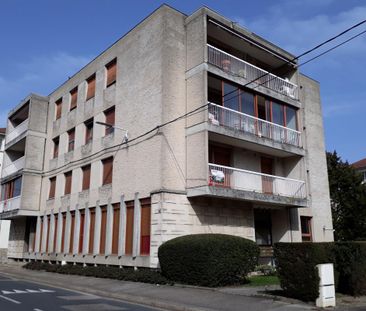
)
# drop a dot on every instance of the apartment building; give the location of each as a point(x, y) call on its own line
point(187, 124)
point(4, 224)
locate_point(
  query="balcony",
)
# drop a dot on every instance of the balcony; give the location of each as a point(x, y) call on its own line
point(10, 205)
point(241, 68)
point(233, 183)
point(226, 117)
point(13, 167)
point(17, 131)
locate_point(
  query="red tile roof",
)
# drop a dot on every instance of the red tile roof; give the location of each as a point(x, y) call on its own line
point(360, 163)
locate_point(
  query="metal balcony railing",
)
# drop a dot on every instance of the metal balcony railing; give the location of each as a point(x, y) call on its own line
point(10, 204)
point(17, 131)
point(228, 177)
point(222, 116)
point(14, 167)
point(241, 68)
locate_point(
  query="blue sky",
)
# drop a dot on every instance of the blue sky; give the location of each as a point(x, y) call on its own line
point(43, 42)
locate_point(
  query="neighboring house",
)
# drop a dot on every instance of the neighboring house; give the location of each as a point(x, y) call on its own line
point(360, 167)
point(244, 155)
point(4, 224)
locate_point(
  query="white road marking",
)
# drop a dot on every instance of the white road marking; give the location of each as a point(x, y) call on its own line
point(16, 291)
point(32, 291)
point(37, 310)
point(5, 292)
point(11, 300)
point(46, 290)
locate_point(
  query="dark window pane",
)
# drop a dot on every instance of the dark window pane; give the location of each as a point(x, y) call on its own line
point(231, 98)
point(291, 118)
point(247, 103)
point(277, 114)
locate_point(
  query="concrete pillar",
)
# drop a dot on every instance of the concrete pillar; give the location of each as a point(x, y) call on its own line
point(98, 219)
point(109, 229)
point(75, 244)
point(38, 233)
point(67, 231)
point(44, 235)
point(136, 226)
point(86, 230)
point(122, 227)
point(60, 224)
point(51, 233)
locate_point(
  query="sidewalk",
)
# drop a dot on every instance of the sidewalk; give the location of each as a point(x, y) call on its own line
point(176, 298)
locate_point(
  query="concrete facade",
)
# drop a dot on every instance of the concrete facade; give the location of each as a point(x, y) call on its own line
point(163, 178)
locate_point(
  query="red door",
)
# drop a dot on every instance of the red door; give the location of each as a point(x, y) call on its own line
point(267, 168)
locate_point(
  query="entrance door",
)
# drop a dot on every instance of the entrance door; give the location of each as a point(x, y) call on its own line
point(267, 168)
point(263, 227)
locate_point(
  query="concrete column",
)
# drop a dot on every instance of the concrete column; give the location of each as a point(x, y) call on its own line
point(51, 233)
point(75, 244)
point(136, 226)
point(60, 224)
point(98, 219)
point(109, 229)
point(122, 227)
point(38, 233)
point(86, 230)
point(67, 231)
point(44, 235)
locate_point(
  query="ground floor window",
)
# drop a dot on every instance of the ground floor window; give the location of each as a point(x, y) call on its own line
point(306, 229)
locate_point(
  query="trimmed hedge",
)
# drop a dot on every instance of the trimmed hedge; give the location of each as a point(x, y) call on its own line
point(299, 278)
point(208, 259)
point(110, 272)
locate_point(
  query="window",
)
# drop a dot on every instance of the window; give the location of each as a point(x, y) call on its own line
point(56, 145)
point(91, 231)
point(68, 180)
point(291, 118)
point(58, 105)
point(306, 229)
point(72, 232)
point(52, 188)
point(89, 125)
point(145, 226)
point(74, 98)
point(111, 72)
point(103, 230)
point(107, 171)
point(71, 134)
point(115, 234)
point(129, 227)
point(91, 87)
point(109, 119)
point(11, 189)
point(231, 99)
point(81, 232)
point(277, 114)
point(86, 177)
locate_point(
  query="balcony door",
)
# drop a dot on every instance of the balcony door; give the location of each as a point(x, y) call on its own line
point(267, 168)
point(222, 157)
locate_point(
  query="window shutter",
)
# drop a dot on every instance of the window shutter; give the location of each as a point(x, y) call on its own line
point(110, 117)
point(68, 179)
point(56, 144)
point(103, 226)
point(129, 227)
point(107, 170)
point(71, 139)
point(74, 98)
point(111, 72)
point(52, 188)
point(145, 226)
point(86, 177)
point(115, 236)
point(58, 108)
point(91, 87)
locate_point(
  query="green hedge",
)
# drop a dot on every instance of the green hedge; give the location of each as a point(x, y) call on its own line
point(110, 272)
point(208, 259)
point(299, 278)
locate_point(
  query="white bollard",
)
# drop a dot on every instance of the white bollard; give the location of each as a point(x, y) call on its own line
point(326, 286)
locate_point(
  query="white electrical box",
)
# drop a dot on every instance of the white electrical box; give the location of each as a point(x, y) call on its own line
point(326, 286)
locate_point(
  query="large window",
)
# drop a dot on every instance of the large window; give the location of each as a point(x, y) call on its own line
point(111, 72)
point(58, 106)
point(129, 227)
point(145, 226)
point(11, 189)
point(52, 188)
point(86, 177)
point(68, 181)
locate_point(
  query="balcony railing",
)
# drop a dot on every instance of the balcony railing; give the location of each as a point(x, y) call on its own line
point(250, 72)
point(13, 167)
point(222, 116)
point(228, 177)
point(17, 131)
point(10, 204)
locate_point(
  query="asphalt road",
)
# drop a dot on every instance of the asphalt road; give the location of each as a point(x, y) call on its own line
point(18, 295)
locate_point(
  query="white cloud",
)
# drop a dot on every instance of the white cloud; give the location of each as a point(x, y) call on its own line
point(40, 74)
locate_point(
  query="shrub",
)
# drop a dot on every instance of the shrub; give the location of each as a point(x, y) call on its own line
point(296, 267)
point(111, 272)
point(208, 259)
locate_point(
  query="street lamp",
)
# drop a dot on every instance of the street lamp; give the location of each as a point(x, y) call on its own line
point(125, 138)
